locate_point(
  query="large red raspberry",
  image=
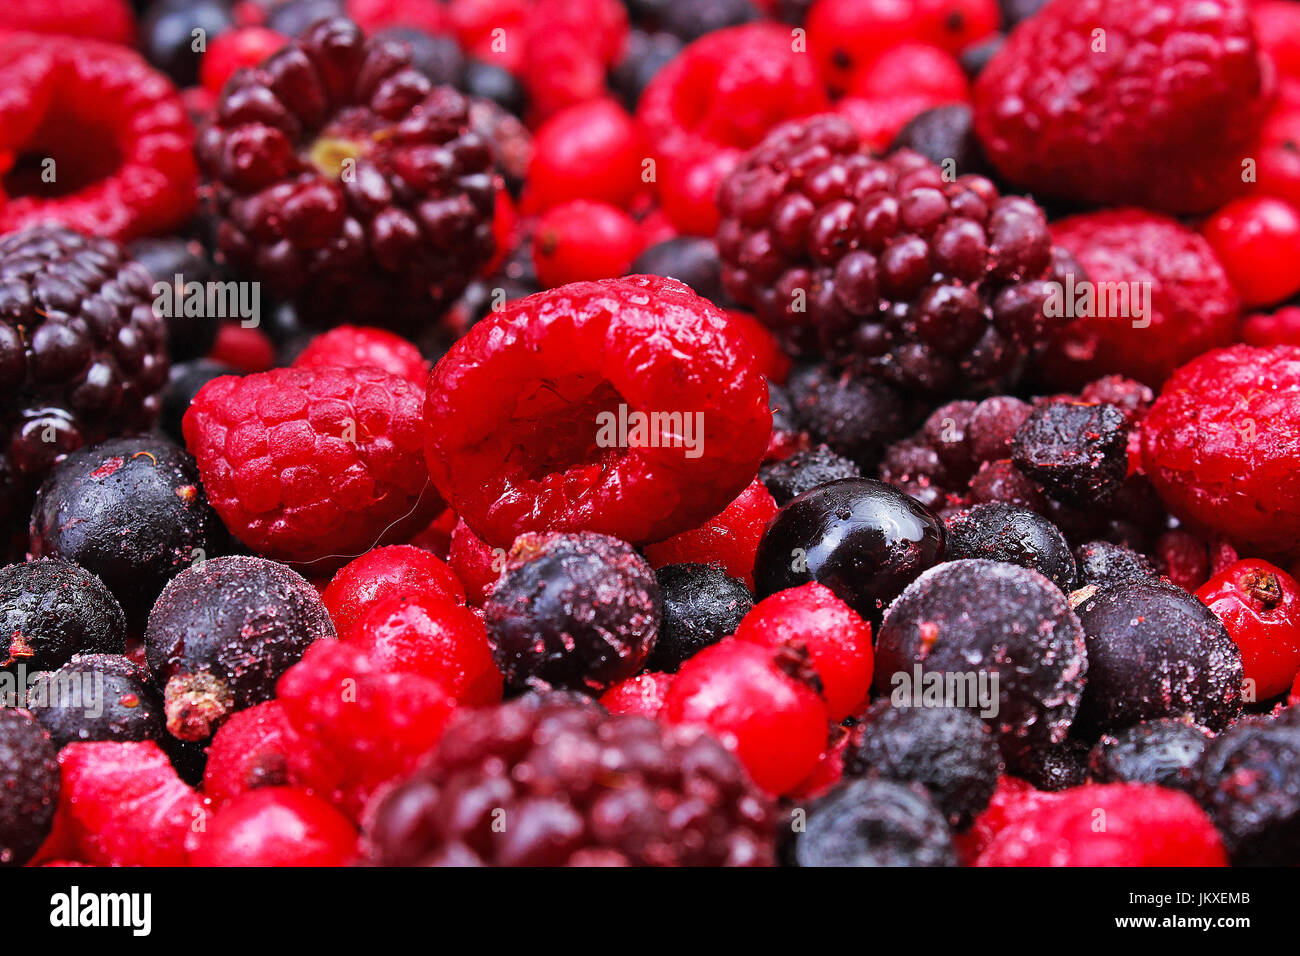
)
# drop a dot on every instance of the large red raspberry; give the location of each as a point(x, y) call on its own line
point(345, 179)
point(569, 45)
point(718, 98)
point(1222, 446)
point(115, 128)
point(1144, 102)
point(570, 442)
point(1192, 306)
point(110, 20)
point(312, 465)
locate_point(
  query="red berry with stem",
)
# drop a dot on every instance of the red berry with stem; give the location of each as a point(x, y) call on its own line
point(582, 240)
point(1258, 242)
point(1259, 604)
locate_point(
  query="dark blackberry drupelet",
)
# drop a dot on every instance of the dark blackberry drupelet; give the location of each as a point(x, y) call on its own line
point(578, 787)
point(855, 415)
point(1109, 565)
point(1077, 452)
point(29, 786)
point(131, 510)
point(97, 697)
point(949, 751)
point(575, 611)
point(222, 633)
point(82, 354)
point(875, 823)
point(803, 471)
point(1059, 767)
point(1164, 751)
point(53, 609)
point(701, 606)
point(1000, 532)
point(344, 179)
point(937, 287)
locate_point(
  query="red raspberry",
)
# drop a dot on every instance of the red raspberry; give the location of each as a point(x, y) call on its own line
point(125, 805)
point(312, 465)
point(1277, 24)
point(1117, 824)
point(234, 50)
point(1192, 307)
point(384, 573)
point(837, 640)
point(491, 30)
point(718, 98)
point(109, 20)
point(728, 540)
point(276, 826)
point(580, 360)
point(361, 725)
point(117, 132)
point(373, 15)
point(581, 240)
point(1259, 604)
point(344, 179)
point(1222, 446)
point(248, 751)
point(642, 695)
point(1280, 328)
point(434, 636)
point(763, 703)
point(588, 151)
point(914, 69)
point(476, 564)
point(354, 346)
point(1162, 116)
point(243, 349)
point(569, 45)
point(1258, 242)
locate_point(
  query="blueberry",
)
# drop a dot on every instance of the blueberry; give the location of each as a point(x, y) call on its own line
point(168, 35)
point(646, 54)
point(701, 606)
point(294, 16)
point(803, 471)
point(53, 609)
point(943, 134)
point(97, 697)
point(857, 416)
point(1000, 532)
point(188, 337)
point(1058, 767)
point(689, 259)
point(1104, 564)
point(29, 786)
point(1164, 752)
point(436, 56)
point(494, 83)
point(183, 383)
point(875, 823)
point(1079, 453)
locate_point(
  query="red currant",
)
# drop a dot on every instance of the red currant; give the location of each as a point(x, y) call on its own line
point(1259, 604)
point(1258, 242)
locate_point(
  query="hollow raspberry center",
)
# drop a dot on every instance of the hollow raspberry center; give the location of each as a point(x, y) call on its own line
point(61, 158)
point(562, 418)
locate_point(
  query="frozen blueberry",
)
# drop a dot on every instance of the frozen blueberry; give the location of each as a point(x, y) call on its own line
point(1108, 565)
point(29, 786)
point(97, 697)
point(1077, 452)
point(52, 609)
point(1164, 752)
point(1000, 532)
point(875, 823)
point(701, 606)
point(803, 471)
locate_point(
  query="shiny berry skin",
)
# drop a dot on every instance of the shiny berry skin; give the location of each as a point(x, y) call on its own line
point(103, 19)
point(475, 563)
point(313, 465)
point(837, 640)
point(29, 786)
point(859, 537)
point(1259, 604)
point(1280, 328)
point(1258, 242)
point(764, 703)
point(641, 696)
point(588, 151)
point(52, 609)
point(728, 540)
point(353, 346)
point(245, 350)
point(530, 458)
point(249, 751)
point(276, 826)
point(582, 240)
point(912, 68)
point(234, 50)
point(384, 573)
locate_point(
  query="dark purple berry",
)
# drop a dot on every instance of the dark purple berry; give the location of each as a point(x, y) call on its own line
point(1078, 452)
point(943, 135)
point(29, 786)
point(1000, 532)
point(803, 471)
point(1164, 752)
point(188, 336)
point(1058, 767)
point(856, 416)
point(701, 606)
point(688, 259)
point(97, 697)
point(490, 82)
point(645, 55)
point(875, 823)
point(1109, 565)
point(437, 56)
point(183, 383)
point(53, 609)
point(167, 34)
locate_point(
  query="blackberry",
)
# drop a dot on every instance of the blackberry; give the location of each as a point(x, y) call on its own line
point(875, 823)
point(51, 610)
point(949, 751)
point(803, 471)
point(183, 383)
point(1164, 751)
point(1079, 453)
point(82, 354)
point(701, 606)
point(644, 56)
point(97, 697)
point(188, 336)
point(689, 259)
point(29, 786)
point(855, 415)
point(1058, 767)
point(972, 619)
point(1156, 651)
point(861, 538)
point(345, 180)
point(1248, 781)
point(133, 511)
point(222, 633)
point(576, 611)
point(945, 134)
point(1107, 565)
point(938, 287)
point(577, 786)
point(999, 532)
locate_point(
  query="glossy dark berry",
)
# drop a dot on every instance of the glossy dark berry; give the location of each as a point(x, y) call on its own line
point(29, 786)
point(133, 511)
point(1108, 565)
point(188, 336)
point(689, 259)
point(97, 697)
point(53, 609)
point(168, 37)
point(183, 383)
point(950, 751)
point(855, 415)
point(861, 538)
point(701, 606)
point(945, 135)
point(803, 471)
point(578, 611)
point(1164, 751)
point(644, 56)
point(1058, 767)
point(1077, 452)
point(222, 633)
point(490, 82)
point(1000, 532)
point(875, 823)
point(1156, 651)
point(974, 619)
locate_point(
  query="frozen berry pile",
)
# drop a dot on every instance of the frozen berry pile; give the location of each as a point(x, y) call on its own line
point(650, 432)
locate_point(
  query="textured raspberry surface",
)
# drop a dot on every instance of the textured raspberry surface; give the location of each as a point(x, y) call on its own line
point(542, 454)
point(355, 346)
point(1159, 109)
point(1222, 446)
point(312, 465)
point(101, 19)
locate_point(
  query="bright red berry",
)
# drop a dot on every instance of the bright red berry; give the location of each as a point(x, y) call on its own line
point(484, 29)
point(1258, 242)
point(1280, 328)
point(1277, 24)
point(829, 770)
point(878, 120)
point(1182, 558)
point(1279, 154)
point(642, 695)
point(1259, 604)
point(234, 50)
point(244, 349)
point(248, 751)
point(763, 703)
point(384, 573)
point(475, 562)
point(99, 19)
point(374, 15)
point(588, 151)
point(912, 69)
point(275, 826)
point(728, 539)
point(581, 240)
point(569, 46)
point(354, 346)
